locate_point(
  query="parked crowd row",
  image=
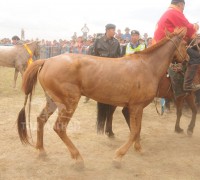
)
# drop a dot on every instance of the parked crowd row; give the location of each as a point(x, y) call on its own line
point(77, 44)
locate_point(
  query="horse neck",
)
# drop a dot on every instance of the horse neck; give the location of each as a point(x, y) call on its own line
point(161, 58)
point(32, 46)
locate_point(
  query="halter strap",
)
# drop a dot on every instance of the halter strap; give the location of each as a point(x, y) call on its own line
point(30, 60)
point(176, 47)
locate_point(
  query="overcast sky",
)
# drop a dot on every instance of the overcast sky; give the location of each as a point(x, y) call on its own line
point(55, 19)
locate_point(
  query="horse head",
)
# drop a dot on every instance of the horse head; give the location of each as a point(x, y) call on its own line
point(36, 51)
point(180, 54)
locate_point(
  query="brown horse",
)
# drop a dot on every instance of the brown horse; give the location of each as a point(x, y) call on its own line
point(105, 112)
point(122, 82)
point(17, 57)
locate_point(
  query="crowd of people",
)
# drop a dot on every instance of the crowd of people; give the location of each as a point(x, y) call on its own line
point(77, 44)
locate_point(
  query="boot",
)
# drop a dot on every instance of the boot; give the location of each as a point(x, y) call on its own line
point(188, 78)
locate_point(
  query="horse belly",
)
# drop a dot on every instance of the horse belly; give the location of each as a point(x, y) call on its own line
point(6, 60)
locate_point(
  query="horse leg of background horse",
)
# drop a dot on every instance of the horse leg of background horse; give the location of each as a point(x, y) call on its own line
point(109, 131)
point(190, 99)
point(15, 77)
point(179, 106)
point(47, 111)
point(65, 112)
point(135, 124)
point(17, 70)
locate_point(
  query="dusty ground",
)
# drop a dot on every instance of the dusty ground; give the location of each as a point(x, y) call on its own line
point(166, 155)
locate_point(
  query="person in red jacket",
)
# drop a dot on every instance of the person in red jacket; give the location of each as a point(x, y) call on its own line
point(171, 19)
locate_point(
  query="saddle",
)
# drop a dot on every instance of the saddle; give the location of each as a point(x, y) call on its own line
point(176, 73)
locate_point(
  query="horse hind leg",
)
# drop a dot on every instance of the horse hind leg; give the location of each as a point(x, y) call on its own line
point(109, 131)
point(41, 121)
point(190, 99)
point(64, 115)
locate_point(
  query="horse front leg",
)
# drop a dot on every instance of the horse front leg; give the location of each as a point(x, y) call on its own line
point(135, 124)
point(179, 106)
point(190, 99)
point(15, 77)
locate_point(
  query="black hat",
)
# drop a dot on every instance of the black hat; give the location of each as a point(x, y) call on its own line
point(135, 32)
point(177, 1)
point(110, 26)
point(15, 38)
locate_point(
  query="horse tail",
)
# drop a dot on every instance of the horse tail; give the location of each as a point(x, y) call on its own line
point(28, 85)
point(102, 113)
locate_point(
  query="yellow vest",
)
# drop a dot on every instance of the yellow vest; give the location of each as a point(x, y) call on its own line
point(130, 50)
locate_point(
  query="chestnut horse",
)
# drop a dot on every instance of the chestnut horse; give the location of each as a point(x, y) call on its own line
point(105, 111)
point(122, 82)
point(17, 56)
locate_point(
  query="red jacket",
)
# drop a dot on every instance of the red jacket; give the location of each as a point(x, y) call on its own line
point(171, 19)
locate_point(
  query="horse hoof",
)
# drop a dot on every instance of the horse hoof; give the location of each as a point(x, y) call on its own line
point(79, 165)
point(117, 163)
point(42, 155)
point(110, 134)
point(189, 132)
point(138, 147)
point(178, 130)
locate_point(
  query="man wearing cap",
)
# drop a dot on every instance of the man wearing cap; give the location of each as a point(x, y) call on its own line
point(134, 45)
point(107, 46)
point(171, 19)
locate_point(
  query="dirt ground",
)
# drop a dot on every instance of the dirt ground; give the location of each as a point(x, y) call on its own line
point(165, 154)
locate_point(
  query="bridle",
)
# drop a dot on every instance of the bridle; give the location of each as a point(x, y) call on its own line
point(177, 47)
point(157, 93)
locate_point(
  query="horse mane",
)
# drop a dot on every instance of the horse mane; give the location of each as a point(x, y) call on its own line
point(31, 42)
point(169, 35)
point(153, 47)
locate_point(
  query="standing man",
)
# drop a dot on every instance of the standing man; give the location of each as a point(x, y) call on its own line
point(85, 31)
point(127, 35)
point(134, 45)
point(106, 46)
